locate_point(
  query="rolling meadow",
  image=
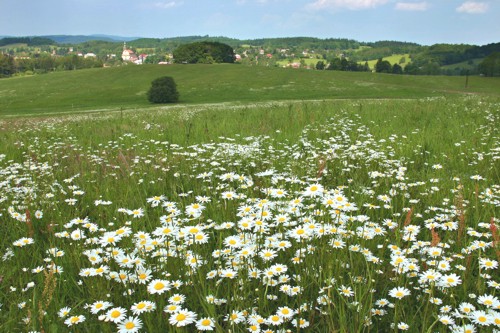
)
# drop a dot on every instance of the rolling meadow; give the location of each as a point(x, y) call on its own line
point(267, 200)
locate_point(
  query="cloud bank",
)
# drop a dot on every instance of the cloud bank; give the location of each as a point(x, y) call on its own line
point(471, 7)
point(346, 4)
point(412, 6)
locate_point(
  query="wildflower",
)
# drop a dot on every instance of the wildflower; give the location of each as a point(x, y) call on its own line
point(171, 308)
point(235, 317)
point(253, 328)
point(466, 308)
point(337, 243)
point(446, 320)
point(156, 200)
point(486, 263)
point(73, 320)
point(285, 312)
point(403, 326)
point(274, 320)
point(177, 299)
point(182, 317)
point(399, 292)
point(229, 195)
point(481, 318)
point(98, 306)
point(130, 325)
point(267, 254)
point(382, 302)
point(205, 324)
point(464, 329)
point(136, 213)
point(228, 273)
point(142, 307)
point(313, 190)
point(23, 242)
point(159, 286)
point(143, 276)
point(64, 312)
point(451, 280)
point(488, 300)
point(116, 315)
point(346, 291)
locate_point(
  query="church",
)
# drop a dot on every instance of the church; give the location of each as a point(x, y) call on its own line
point(128, 55)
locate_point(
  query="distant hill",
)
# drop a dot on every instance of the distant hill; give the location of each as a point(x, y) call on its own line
point(29, 41)
point(72, 39)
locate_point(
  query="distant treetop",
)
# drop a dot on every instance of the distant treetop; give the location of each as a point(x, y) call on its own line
point(204, 52)
point(30, 41)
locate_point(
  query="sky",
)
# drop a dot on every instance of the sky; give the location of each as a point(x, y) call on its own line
point(425, 22)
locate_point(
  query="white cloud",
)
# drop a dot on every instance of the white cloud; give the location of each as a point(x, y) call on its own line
point(412, 6)
point(168, 4)
point(349, 4)
point(471, 7)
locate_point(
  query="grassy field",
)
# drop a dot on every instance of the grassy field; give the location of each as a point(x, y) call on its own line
point(268, 200)
point(394, 59)
point(126, 87)
point(464, 64)
point(308, 61)
point(327, 216)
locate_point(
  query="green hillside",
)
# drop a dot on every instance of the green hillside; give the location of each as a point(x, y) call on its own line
point(393, 59)
point(125, 87)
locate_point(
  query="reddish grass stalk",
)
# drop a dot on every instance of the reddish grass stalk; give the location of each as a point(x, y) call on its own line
point(435, 237)
point(408, 217)
point(321, 168)
point(496, 237)
point(31, 230)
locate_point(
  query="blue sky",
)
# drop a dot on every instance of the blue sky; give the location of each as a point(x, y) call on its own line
point(425, 22)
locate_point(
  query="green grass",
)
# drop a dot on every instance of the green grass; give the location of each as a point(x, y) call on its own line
point(125, 87)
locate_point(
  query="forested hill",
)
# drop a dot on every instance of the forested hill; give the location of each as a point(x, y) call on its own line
point(444, 54)
point(29, 41)
point(413, 58)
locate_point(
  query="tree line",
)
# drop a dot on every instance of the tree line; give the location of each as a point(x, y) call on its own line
point(44, 64)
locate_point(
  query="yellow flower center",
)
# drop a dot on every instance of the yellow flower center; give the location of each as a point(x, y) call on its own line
point(180, 317)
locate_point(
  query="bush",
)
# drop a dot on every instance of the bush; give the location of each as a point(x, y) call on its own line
point(163, 90)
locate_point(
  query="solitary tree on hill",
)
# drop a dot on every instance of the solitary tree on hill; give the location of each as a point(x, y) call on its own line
point(163, 90)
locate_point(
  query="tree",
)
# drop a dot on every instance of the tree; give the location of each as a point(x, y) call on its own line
point(204, 52)
point(396, 69)
point(383, 66)
point(7, 67)
point(490, 66)
point(335, 65)
point(163, 90)
point(320, 65)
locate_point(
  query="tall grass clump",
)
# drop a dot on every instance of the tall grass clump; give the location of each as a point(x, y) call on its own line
point(339, 216)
